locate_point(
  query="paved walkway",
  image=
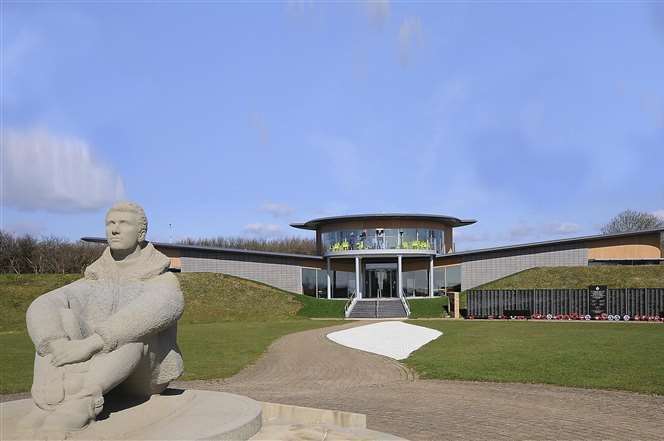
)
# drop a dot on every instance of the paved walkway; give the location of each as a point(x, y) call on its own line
point(307, 369)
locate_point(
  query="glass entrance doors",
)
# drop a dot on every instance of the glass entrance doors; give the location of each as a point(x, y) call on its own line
point(380, 280)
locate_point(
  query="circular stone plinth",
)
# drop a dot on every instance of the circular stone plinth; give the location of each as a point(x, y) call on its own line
point(175, 415)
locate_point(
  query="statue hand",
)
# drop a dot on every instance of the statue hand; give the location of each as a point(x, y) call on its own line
point(76, 351)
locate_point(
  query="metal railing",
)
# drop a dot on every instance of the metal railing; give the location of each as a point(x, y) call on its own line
point(404, 302)
point(350, 303)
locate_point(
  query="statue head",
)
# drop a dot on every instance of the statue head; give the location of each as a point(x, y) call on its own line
point(126, 226)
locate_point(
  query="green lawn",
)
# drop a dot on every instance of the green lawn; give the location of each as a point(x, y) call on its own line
point(640, 276)
point(16, 358)
point(623, 356)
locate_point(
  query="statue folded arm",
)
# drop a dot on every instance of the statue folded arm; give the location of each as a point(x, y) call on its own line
point(158, 307)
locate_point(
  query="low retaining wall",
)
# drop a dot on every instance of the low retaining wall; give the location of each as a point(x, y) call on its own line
point(624, 301)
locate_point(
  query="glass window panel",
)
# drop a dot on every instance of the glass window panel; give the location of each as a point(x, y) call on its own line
point(371, 240)
point(391, 238)
point(437, 240)
point(342, 285)
point(439, 281)
point(416, 283)
point(408, 236)
point(321, 279)
point(309, 282)
point(453, 278)
point(383, 238)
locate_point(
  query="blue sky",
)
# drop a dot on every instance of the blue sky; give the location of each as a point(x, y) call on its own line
point(540, 120)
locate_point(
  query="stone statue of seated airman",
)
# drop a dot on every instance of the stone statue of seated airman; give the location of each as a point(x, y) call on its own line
point(114, 328)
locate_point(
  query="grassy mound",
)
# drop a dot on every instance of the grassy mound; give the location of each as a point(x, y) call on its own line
point(427, 308)
point(214, 297)
point(643, 276)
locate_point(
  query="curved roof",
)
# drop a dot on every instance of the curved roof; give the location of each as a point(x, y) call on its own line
point(314, 224)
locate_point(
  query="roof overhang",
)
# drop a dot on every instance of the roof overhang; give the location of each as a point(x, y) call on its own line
point(315, 224)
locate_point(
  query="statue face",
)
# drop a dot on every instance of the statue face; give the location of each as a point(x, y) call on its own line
point(123, 230)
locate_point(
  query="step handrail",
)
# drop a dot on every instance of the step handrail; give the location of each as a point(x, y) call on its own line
point(404, 302)
point(350, 304)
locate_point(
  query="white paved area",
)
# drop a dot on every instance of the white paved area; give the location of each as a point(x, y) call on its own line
point(392, 339)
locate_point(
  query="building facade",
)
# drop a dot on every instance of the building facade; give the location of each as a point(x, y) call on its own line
point(405, 255)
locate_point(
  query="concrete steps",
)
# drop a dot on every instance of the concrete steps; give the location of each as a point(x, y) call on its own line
point(385, 308)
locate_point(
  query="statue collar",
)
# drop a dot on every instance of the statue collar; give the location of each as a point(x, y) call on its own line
point(148, 264)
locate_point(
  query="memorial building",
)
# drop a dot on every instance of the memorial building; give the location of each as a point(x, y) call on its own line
point(401, 255)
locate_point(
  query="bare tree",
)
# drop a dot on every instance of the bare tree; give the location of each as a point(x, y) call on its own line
point(630, 220)
point(26, 254)
point(295, 245)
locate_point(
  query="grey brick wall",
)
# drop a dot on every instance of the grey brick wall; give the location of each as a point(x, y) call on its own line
point(281, 275)
point(475, 271)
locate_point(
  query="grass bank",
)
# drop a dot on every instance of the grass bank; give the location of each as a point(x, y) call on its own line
point(624, 356)
point(643, 276)
point(214, 297)
point(427, 308)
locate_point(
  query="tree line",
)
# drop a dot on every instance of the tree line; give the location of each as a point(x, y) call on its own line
point(293, 245)
point(31, 255)
point(27, 254)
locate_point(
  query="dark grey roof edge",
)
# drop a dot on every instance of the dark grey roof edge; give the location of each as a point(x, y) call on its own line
point(314, 223)
point(553, 242)
point(223, 250)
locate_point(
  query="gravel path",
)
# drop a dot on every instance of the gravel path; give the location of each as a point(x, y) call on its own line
point(307, 369)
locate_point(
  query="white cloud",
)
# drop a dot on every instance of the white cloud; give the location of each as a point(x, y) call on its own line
point(42, 171)
point(410, 37)
point(378, 11)
point(659, 213)
point(276, 209)
point(263, 230)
